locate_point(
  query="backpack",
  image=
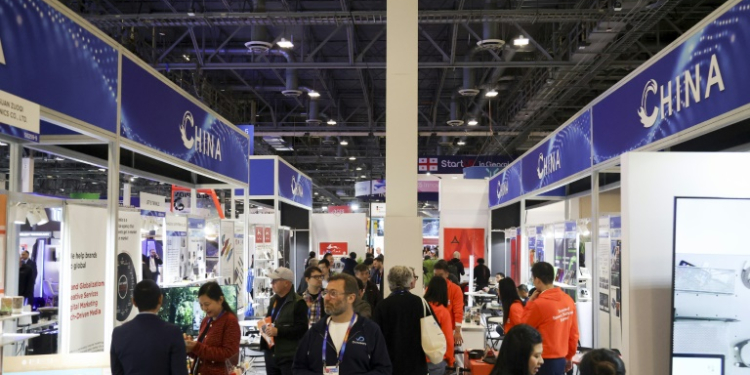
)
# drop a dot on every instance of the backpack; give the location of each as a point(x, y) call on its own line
point(453, 270)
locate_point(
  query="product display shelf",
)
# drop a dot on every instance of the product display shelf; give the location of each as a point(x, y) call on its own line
point(12, 338)
point(16, 316)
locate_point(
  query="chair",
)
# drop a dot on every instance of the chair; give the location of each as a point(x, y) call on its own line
point(491, 335)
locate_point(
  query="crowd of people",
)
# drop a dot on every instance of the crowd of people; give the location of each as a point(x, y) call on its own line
point(341, 323)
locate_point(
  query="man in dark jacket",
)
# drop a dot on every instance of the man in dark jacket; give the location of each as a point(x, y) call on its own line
point(287, 313)
point(372, 293)
point(353, 344)
point(456, 266)
point(349, 263)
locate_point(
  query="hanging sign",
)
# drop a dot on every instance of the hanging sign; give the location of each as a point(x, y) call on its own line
point(153, 205)
point(335, 248)
point(18, 117)
point(506, 186)
point(454, 164)
point(294, 185)
point(159, 117)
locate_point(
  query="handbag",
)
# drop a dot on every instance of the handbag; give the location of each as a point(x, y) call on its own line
point(433, 339)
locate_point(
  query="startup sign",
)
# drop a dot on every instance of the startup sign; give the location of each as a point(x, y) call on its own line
point(704, 77)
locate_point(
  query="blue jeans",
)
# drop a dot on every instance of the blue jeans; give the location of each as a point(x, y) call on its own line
point(552, 366)
point(436, 368)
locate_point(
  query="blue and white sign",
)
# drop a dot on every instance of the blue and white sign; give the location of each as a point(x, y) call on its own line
point(294, 185)
point(455, 164)
point(704, 77)
point(506, 186)
point(261, 177)
point(566, 153)
point(250, 131)
point(160, 118)
point(48, 59)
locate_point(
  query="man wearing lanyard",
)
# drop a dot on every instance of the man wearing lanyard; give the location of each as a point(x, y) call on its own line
point(345, 343)
point(313, 294)
point(288, 315)
point(377, 273)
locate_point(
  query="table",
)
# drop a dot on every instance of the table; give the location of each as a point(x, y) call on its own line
point(481, 297)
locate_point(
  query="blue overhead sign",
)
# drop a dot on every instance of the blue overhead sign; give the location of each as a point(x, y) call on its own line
point(702, 78)
point(506, 186)
point(294, 185)
point(48, 59)
point(262, 177)
point(455, 164)
point(565, 153)
point(160, 118)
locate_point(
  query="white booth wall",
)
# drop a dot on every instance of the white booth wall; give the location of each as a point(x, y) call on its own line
point(650, 183)
point(547, 214)
point(463, 204)
point(350, 228)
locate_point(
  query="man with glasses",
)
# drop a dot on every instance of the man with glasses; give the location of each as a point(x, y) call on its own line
point(287, 313)
point(345, 343)
point(313, 296)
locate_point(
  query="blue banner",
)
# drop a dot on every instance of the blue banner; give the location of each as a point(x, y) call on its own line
point(478, 173)
point(261, 177)
point(704, 77)
point(153, 213)
point(50, 60)
point(294, 185)
point(506, 186)
point(566, 153)
point(250, 131)
point(196, 223)
point(160, 118)
point(615, 222)
point(456, 164)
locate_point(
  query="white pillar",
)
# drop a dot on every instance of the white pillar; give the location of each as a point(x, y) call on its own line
point(594, 264)
point(126, 192)
point(110, 274)
point(27, 175)
point(403, 234)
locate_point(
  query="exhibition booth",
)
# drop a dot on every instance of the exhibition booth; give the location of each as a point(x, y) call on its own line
point(87, 99)
point(654, 235)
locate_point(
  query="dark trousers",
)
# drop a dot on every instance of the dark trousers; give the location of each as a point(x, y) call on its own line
point(273, 368)
point(552, 366)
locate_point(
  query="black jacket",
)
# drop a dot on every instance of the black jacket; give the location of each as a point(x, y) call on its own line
point(372, 294)
point(291, 321)
point(459, 267)
point(399, 318)
point(365, 352)
point(148, 345)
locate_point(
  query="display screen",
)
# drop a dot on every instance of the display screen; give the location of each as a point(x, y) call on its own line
point(181, 307)
point(711, 287)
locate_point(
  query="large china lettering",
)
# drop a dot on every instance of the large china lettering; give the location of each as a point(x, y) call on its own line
point(204, 142)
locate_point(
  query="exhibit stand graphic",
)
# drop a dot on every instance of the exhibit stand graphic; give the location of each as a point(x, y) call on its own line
point(129, 263)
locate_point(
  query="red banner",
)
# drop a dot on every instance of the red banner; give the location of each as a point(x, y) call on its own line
point(267, 235)
point(338, 210)
point(335, 248)
point(467, 241)
point(259, 234)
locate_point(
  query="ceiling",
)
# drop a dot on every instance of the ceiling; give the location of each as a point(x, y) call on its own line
point(576, 51)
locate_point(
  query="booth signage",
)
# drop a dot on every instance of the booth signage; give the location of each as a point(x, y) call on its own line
point(293, 185)
point(160, 118)
point(338, 210)
point(506, 186)
point(72, 71)
point(261, 177)
point(377, 187)
point(377, 209)
point(153, 205)
point(704, 77)
point(335, 248)
point(456, 164)
point(250, 131)
point(19, 117)
point(564, 154)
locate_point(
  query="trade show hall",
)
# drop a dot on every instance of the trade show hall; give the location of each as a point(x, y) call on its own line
point(485, 187)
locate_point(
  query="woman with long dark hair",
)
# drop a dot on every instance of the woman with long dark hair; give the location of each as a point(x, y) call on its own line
point(520, 353)
point(219, 339)
point(512, 303)
point(437, 297)
point(602, 362)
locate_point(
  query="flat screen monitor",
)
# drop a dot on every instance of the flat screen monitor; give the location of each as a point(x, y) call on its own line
point(180, 306)
point(697, 364)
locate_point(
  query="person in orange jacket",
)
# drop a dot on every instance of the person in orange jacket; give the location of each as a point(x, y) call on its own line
point(553, 314)
point(455, 300)
point(512, 305)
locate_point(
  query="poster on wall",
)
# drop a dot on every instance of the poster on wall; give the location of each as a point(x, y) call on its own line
point(604, 302)
point(212, 247)
point(467, 241)
point(335, 248)
point(226, 252)
point(3, 233)
point(176, 262)
point(240, 271)
point(129, 264)
point(615, 294)
point(603, 254)
point(570, 260)
point(197, 248)
point(87, 228)
point(559, 259)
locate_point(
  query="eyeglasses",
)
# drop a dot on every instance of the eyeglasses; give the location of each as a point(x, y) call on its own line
point(317, 277)
point(333, 293)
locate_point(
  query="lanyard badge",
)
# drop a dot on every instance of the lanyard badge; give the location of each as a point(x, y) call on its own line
point(335, 369)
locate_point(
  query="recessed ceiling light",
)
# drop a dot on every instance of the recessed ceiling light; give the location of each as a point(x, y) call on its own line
point(473, 122)
point(331, 122)
point(314, 94)
point(344, 143)
point(283, 43)
point(491, 94)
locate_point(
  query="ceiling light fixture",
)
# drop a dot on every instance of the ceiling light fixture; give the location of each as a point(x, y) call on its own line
point(352, 158)
point(428, 173)
point(521, 41)
point(314, 94)
point(473, 122)
point(59, 158)
point(359, 168)
point(191, 13)
point(325, 208)
point(102, 170)
point(186, 57)
point(491, 94)
point(344, 143)
point(162, 33)
point(283, 43)
point(355, 206)
point(331, 122)
point(460, 142)
point(363, 176)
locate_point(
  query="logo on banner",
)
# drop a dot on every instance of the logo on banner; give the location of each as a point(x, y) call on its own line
point(297, 188)
point(428, 164)
point(690, 83)
point(548, 164)
point(2, 55)
point(502, 189)
point(335, 248)
point(203, 142)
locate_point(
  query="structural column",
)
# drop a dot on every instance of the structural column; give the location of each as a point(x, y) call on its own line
point(110, 271)
point(595, 273)
point(403, 234)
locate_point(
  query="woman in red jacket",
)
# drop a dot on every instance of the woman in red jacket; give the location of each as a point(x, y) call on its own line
point(437, 296)
point(219, 339)
point(512, 305)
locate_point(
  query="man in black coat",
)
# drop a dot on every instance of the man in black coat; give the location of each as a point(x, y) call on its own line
point(372, 293)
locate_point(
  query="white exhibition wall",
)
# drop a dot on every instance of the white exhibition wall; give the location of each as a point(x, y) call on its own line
point(548, 214)
point(463, 204)
point(349, 228)
point(650, 183)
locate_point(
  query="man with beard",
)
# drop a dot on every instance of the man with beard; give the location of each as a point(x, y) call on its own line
point(345, 343)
